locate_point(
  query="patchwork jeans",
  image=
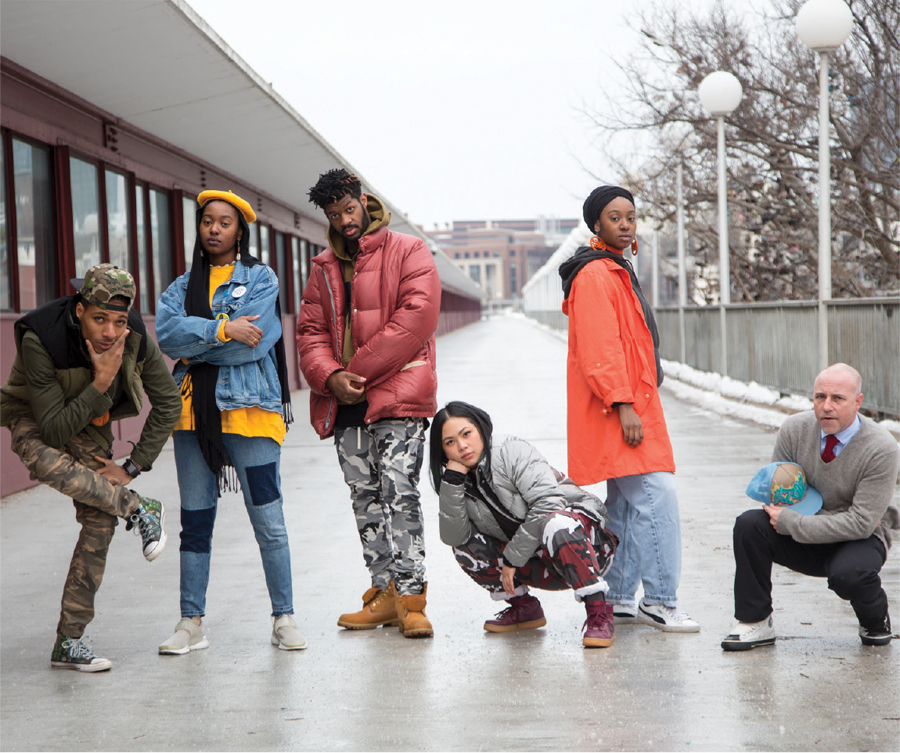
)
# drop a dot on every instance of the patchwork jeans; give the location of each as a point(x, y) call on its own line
point(98, 505)
point(257, 461)
point(381, 463)
point(575, 553)
point(643, 513)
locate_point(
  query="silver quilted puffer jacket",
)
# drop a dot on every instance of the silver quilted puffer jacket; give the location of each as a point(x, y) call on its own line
point(527, 487)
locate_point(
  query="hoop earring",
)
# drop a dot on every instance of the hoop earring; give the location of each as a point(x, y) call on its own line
point(634, 247)
point(598, 244)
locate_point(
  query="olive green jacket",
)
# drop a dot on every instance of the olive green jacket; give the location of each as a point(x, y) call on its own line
point(63, 401)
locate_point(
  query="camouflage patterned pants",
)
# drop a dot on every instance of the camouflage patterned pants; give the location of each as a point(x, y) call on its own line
point(381, 464)
point(98, 504)
point(575, 553)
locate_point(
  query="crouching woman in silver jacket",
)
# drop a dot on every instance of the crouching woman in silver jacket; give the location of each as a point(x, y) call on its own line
point(514, 521)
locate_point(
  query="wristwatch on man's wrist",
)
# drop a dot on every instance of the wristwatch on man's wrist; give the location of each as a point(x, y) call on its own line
point(131, 468)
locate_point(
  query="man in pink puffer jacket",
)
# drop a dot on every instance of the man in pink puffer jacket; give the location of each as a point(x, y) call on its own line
point(366, 343)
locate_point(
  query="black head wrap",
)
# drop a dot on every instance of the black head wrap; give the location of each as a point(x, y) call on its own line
point(205, 376)
point(598, 199)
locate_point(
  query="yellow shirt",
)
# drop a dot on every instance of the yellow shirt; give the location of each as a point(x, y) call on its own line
point(249, 422)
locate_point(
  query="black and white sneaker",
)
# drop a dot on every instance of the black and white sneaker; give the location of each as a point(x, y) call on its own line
point(877, 636)
point(747, 635)
point(667, 619)
point(624, 614)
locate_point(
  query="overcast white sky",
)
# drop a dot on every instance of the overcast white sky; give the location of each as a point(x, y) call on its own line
point(450, 110)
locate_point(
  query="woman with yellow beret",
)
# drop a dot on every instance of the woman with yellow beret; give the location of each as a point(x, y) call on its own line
point(221, 320)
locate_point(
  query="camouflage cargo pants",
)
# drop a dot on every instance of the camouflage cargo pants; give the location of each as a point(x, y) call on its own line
point(575, 553)
point(381, 464)
point(98, 504)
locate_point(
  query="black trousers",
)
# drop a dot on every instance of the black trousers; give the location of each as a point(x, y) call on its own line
point(851, 567)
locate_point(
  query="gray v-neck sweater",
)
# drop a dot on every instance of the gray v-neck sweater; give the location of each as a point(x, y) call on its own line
point(857, 487)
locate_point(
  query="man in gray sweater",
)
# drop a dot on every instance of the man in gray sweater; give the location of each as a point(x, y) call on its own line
point(853, 463)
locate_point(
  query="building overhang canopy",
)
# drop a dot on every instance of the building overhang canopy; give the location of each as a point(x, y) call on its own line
point(157, 65)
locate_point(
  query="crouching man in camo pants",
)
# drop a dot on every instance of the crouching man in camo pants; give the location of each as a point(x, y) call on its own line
point(82, 362)
point(366, 342)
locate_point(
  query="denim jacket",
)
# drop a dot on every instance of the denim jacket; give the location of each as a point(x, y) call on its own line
point(247, 376)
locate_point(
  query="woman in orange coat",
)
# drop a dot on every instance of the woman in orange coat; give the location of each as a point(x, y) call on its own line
point(616, 427)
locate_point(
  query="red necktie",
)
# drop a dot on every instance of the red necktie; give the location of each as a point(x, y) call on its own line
point(831, 441)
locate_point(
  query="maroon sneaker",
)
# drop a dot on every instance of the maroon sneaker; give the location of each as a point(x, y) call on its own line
point(599, 631)
point(523, 613)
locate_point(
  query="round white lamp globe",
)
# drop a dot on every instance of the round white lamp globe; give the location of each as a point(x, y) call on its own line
point(720, 92)
point(824, 25)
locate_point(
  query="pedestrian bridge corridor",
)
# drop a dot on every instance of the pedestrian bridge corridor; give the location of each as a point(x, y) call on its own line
point(465, 689)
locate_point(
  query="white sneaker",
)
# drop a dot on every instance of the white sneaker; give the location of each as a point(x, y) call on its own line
point(188, 637)
point(747, 635)
point(625, 614)
point(667, 619)
point(285, 634)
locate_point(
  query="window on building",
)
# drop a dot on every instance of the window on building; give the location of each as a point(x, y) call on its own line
point(496, 254)
point(512, 252)
point(189, 221)
point(118, 228)
point(296, 272)
point(145, 292)
point(513, 283)
point(161, 241)
point(466, 255)
point(254, 240)
point(265, 255)
point(476, 254)
point(5, 257)
point(457, 255)
point(281, 271)
point(85, 185)
point(305, 256)
point(32, 196)
point(475, 272)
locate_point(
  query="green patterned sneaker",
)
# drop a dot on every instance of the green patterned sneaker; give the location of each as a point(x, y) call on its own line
point(74, 653)
point(150, 517)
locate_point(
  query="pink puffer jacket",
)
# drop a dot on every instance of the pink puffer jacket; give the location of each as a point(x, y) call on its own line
point(395, 303)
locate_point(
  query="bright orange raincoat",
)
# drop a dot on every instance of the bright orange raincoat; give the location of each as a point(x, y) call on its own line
point(611, 361)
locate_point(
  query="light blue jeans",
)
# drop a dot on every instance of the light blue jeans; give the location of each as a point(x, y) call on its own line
point(257, 461)
point(643, 513)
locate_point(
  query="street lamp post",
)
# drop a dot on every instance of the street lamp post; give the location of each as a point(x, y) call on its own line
point(654, 272)
point(720, 92)
point(682, 274)
point(823, 26)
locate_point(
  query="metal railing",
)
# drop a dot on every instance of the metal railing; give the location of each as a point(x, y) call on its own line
point(776, 344)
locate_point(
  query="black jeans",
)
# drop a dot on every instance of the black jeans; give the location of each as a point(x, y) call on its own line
point(851, 567)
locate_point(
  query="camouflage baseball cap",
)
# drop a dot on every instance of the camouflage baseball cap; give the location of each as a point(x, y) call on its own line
point(102, 283)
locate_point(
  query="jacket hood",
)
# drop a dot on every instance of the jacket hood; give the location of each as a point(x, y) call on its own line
point(379, 217)
point(583, 256)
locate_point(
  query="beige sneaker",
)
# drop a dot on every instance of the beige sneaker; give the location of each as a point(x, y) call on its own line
point(188, 637)
point(285, 634)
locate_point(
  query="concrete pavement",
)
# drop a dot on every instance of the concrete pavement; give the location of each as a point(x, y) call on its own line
point(817, 689)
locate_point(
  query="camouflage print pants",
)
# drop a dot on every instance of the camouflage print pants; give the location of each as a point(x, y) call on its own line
point(575, 553)
point(381, 464)
point(98, 504)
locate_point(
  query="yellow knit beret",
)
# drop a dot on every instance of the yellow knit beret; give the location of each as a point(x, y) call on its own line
point(236, 201)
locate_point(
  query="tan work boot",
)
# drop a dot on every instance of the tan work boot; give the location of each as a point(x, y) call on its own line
point(378, 609)
point(411, 611)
